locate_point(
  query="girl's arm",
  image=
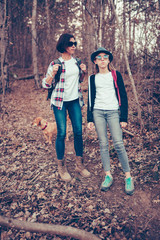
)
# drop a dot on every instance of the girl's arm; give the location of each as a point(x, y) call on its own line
point(124, 99)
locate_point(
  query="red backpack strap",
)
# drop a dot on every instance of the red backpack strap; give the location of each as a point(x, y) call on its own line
point(114, 75)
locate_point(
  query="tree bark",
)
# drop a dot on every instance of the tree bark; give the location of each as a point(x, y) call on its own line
point(124, 33)
point(4, 64)
point(34, 44)
point(100, 23)
point(92, 39)
point(49, 38)
point(130, 31)
point(47, 228)
point(128, 67)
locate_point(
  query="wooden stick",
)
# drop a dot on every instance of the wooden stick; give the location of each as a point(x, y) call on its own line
point(126, 131)
point(47, 228)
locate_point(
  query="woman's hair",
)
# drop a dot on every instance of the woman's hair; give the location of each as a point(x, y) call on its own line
point(110, 67)
point(62, 43)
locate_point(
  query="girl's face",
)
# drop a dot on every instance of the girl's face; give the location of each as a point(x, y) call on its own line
point(71, 46)
point(102, 60)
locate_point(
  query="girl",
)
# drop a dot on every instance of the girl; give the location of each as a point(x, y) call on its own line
point(106, 96)
point(67, 96)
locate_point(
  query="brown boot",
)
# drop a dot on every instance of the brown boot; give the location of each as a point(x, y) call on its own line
point(62, 170)
point(80, 168)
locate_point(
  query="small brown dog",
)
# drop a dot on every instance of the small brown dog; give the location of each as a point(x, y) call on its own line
point(49, 128)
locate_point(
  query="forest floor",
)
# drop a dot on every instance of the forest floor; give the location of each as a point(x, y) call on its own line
point(31, 190)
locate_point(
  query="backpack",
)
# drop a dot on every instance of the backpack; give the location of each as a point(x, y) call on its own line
point(57, 76)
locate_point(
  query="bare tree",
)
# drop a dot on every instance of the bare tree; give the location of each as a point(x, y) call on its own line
point(49, 45)
point(34, 44)
point(101, 12)
point(4, 45)
point(91, 33)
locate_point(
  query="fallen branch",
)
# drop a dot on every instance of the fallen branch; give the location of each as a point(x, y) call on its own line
point(47, 228)
point(31, 76)
point(146, 225)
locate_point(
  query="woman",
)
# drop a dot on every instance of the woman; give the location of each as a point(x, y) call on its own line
point(106, 97)
point(65, 97)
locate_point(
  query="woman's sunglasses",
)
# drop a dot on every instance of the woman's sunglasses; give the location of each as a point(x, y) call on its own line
point(70, 44)
point(100, 57)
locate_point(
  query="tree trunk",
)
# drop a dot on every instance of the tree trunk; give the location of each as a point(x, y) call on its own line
point(91, 36)
point(128, 67)
point(49, 38)
point(132, 43)
point(124, 20)
point(47, 228)
point(3, 48)
point(124, 33)
point(130, 40)
point(34, 44)
point(83, 31)
point(100, 23)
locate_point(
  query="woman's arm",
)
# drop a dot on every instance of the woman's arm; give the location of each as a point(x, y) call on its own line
point(83, 71)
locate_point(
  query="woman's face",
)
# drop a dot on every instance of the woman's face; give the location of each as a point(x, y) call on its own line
point(71, 46)
point(102, 60)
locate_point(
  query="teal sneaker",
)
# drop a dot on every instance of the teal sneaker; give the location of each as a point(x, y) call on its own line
point(129, 186)
point(107, 183)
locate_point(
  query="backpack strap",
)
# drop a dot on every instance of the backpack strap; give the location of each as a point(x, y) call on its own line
point(78, 61)
point(114, 75)
point(57, 76)
point(56, 61)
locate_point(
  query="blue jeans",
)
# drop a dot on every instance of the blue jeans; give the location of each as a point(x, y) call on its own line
point(74, 111)
point(110, 117)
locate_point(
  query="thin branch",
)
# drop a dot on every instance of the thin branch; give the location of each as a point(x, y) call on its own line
point(158, 60)
point(129, 133)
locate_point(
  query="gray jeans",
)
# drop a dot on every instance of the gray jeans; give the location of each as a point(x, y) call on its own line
point(110, 117)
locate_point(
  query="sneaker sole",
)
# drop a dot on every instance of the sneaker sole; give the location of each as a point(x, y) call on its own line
point(129, 193)
point(105, 189)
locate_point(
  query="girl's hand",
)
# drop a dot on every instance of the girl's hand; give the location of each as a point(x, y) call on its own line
point(123, 124)
point(83, 67)
point(90, 125)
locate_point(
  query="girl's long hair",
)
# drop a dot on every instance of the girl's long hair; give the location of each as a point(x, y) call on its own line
point(110, 67)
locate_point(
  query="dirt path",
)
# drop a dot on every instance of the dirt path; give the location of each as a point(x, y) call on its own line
point(30, 188)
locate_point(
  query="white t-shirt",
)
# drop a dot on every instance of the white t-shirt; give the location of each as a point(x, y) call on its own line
point(71, 80)
point(105, 92)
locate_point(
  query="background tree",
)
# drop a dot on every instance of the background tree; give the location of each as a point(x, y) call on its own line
point(128, 67)
point(3, 47)
point(34, 44)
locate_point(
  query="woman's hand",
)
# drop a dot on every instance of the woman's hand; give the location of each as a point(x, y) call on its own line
point(90, 125)
point(55, 69)
point(123, 124)
point(83, 67)
point(50, 77)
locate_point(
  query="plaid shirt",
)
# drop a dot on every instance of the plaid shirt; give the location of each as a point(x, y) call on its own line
point(58, 92)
